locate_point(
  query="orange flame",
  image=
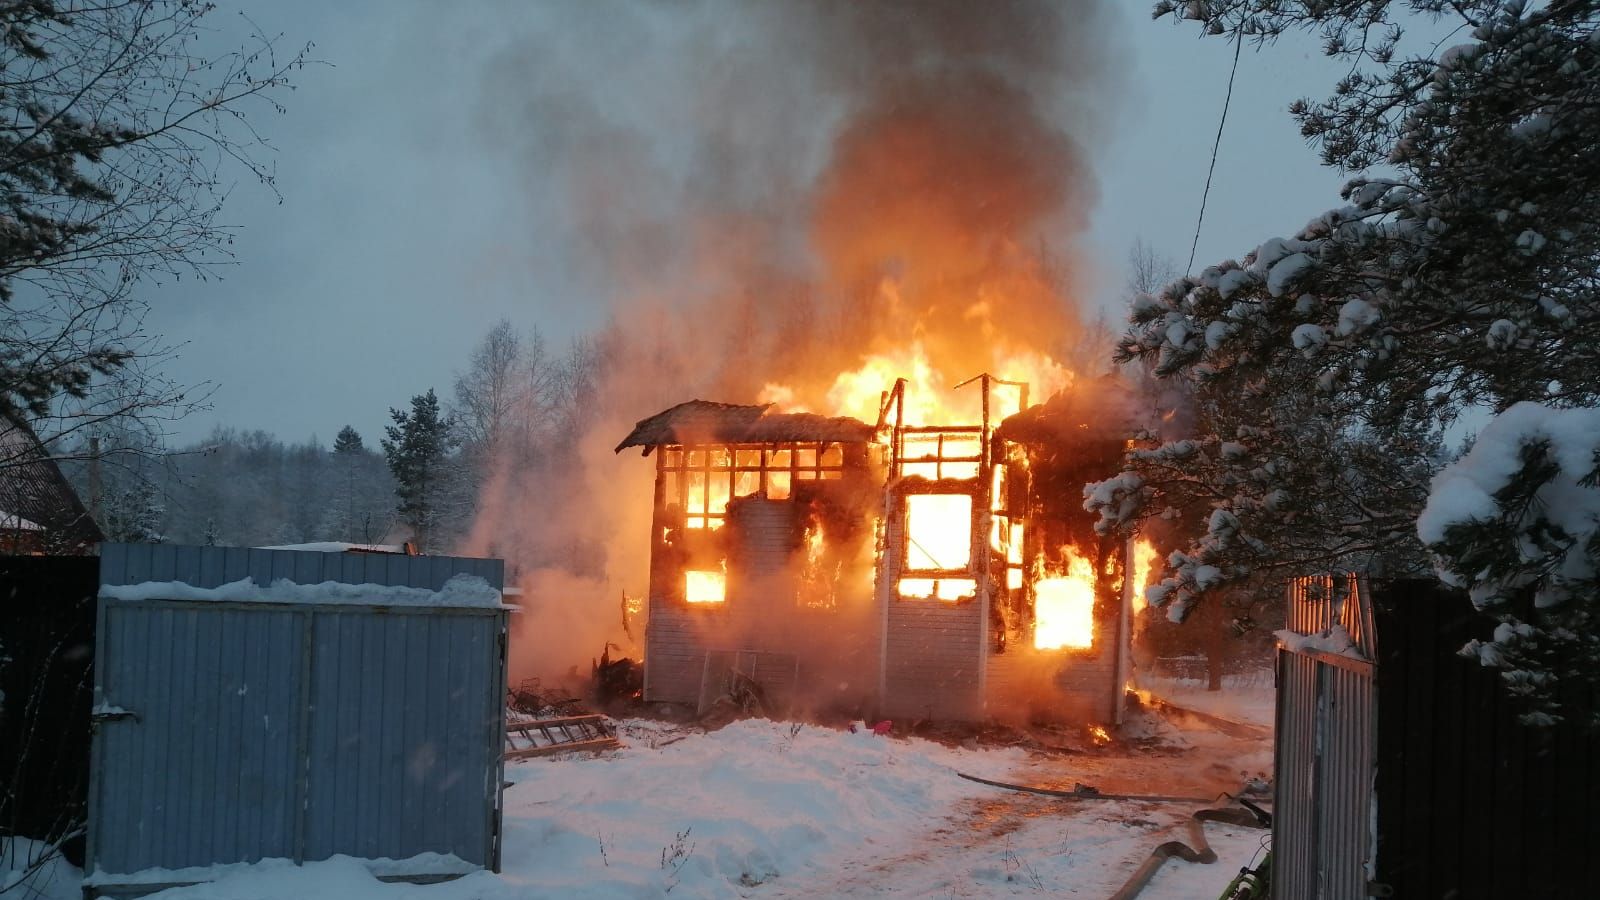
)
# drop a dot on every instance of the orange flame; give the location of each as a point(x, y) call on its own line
point(1144, 559)
point(1063, 605)
point(706, 494)
point(930, 397)
point(1145, 697)
point(705, 586)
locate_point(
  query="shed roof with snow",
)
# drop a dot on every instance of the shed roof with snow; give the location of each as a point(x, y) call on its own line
point(706, 422)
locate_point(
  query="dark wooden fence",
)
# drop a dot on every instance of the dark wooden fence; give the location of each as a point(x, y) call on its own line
point(47, 614)
point(1472, 803)
point(1464, 800)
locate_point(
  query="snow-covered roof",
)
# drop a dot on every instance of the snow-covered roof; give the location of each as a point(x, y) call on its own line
point(459, 591)
point(140, 572)
point(705, 422)
point(339, 547)
point(35, 492)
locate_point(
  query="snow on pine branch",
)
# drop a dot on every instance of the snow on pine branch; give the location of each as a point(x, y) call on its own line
point(1329, 362)
point(1520, 511)
point(1516, 522)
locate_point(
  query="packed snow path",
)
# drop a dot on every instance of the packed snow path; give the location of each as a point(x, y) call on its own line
point(997, 843)
point(770, 810)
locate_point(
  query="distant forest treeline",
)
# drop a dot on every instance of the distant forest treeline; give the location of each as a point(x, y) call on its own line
point(237, 488)
point(514, 405)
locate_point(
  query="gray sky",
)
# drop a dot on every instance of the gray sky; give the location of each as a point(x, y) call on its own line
point(406, 228)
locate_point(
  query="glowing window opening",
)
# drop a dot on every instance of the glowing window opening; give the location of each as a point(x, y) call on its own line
point(938, 532)
point(1063, 605)
point(703, 586)
point(946, 589)
point(701, 479)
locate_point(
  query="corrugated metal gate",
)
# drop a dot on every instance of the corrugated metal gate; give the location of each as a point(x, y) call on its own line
point(1323, 840)
point(237, 731)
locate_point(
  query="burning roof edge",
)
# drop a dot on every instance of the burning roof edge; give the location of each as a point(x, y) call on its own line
point(704, 421)
point(1101, 409)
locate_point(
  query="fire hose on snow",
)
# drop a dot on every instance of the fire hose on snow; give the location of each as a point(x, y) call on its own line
point(1197, 850)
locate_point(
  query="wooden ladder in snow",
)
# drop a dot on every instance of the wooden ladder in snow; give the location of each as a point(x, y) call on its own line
point(568, 734)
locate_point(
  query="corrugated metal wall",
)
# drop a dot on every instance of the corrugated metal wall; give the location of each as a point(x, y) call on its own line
point(298, 731)
point(209, 567)
point(1324, 761)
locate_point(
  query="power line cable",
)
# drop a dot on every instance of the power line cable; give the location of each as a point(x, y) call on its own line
point(1238, 44)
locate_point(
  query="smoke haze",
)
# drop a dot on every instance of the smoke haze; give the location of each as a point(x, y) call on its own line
point(767, 194)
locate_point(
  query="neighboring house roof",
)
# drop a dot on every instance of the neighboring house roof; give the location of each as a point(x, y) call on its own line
point(341, 547)
point(705, 422)
point(33, 491)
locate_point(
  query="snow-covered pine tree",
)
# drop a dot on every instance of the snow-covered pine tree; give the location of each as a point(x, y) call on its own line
point(307, 473)
point(134, 513)
point(418, 448)
point(348, 443)
point(349, 453)
point(1460, 271)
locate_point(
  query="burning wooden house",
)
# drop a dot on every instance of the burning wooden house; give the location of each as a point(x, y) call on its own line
point(760, 546)
point(920, 571)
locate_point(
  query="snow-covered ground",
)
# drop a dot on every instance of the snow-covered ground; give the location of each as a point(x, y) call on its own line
point(1246, 697)
point(765, 809)
point(30, 870)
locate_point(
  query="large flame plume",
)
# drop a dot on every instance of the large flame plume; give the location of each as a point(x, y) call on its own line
point(795, 202)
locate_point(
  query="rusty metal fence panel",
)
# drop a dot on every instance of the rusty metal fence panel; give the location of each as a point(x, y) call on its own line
point(1326, 736)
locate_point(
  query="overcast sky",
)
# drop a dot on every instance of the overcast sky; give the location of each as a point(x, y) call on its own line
point(406, 228)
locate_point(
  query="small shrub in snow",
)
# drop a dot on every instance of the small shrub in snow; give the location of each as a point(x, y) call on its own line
point(1020, 870)
point(675, 856)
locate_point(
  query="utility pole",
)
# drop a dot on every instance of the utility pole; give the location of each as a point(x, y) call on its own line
point(94, 478)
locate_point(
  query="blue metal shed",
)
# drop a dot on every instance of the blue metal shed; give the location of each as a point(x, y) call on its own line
point(335, 703)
